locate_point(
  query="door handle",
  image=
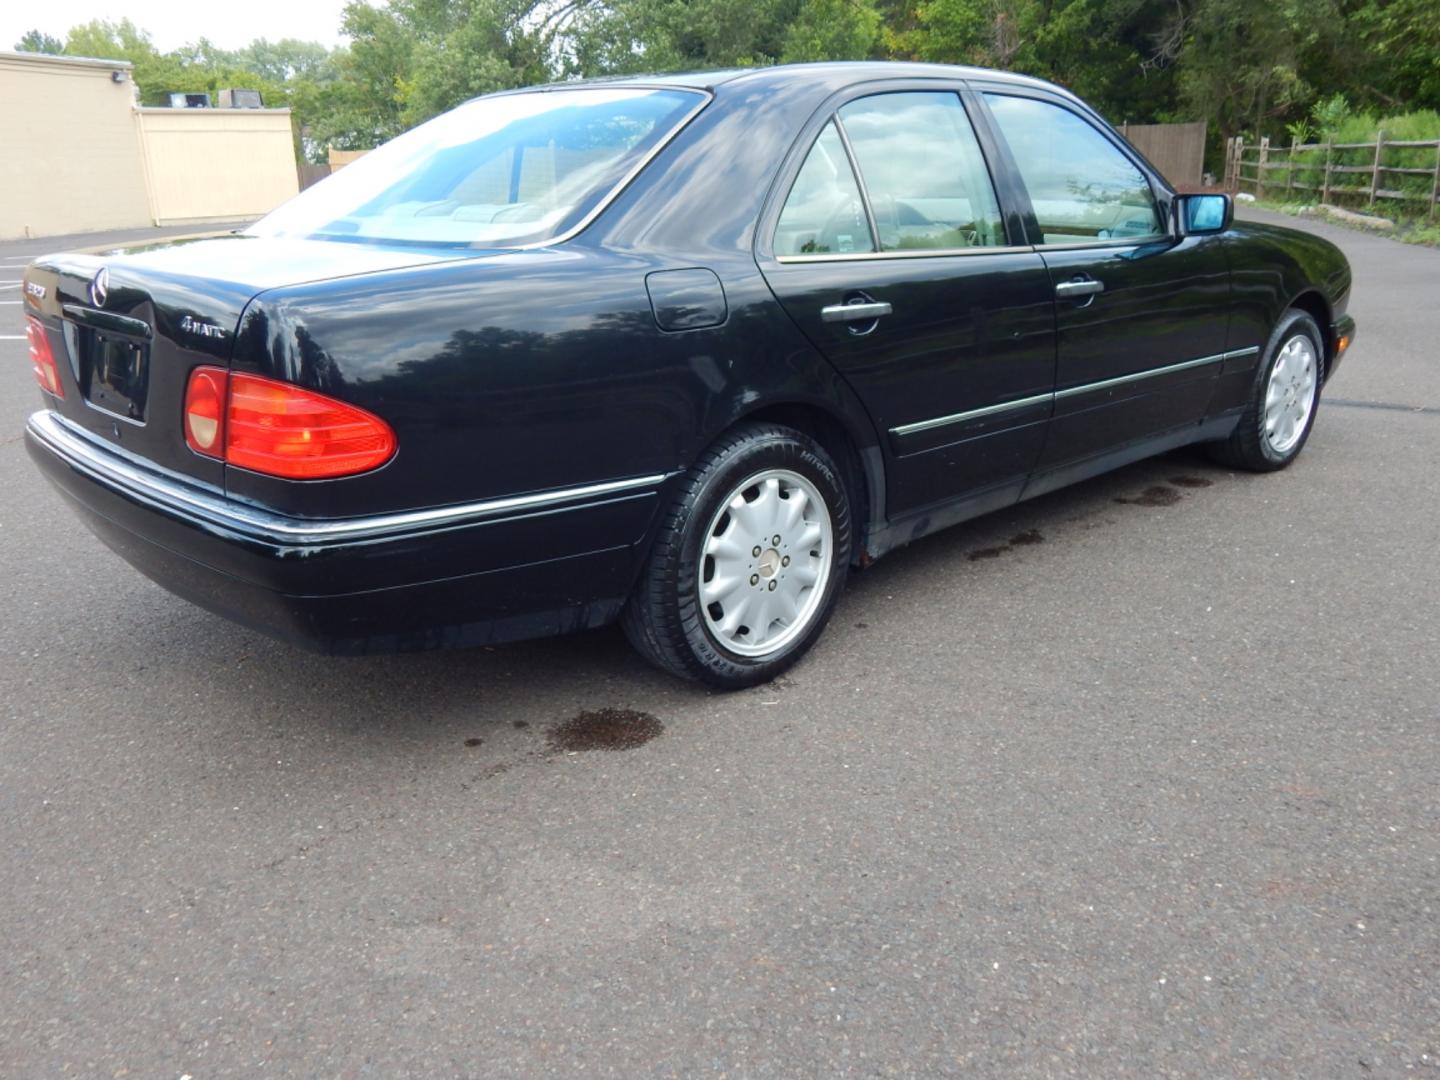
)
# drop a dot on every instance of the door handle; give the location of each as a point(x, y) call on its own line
point(1069, 290)
point(866, 311)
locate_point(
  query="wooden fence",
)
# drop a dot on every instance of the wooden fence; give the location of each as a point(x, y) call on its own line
point(311, 174)
point(338, 159)
point(1177, 150)
point(1331, 170)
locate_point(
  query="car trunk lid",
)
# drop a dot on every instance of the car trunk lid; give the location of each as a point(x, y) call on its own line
point(127, 327)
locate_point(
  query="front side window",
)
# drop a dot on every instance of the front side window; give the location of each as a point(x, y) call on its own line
point(1083, 189)
point(923, 172)
point(497, 171)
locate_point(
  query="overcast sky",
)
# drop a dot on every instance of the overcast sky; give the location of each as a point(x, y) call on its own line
point(171, 23)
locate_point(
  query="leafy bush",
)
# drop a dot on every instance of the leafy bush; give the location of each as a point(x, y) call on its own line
point(1329, 113)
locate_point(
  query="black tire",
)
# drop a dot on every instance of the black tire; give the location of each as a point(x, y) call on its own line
point(1249, 447)
point(664, 619)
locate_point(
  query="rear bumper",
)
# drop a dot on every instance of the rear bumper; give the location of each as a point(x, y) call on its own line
point(503, 569)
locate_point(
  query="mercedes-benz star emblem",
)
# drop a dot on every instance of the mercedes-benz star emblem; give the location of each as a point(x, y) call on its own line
point(100, 287)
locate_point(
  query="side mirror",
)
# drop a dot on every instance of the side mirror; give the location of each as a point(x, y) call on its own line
point(1198, 215)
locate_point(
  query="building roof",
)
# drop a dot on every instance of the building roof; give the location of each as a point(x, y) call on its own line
point(72, 61)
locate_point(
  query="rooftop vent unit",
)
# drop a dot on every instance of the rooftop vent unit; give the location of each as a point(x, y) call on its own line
point(241, 99)
point(190, 101)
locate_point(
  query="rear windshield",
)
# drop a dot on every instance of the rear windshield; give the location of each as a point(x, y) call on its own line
point(498, 171)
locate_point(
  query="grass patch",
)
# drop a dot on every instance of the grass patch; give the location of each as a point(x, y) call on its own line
point(1408, 229)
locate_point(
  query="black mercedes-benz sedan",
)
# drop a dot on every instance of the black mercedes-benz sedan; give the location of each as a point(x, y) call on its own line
point(676, 351)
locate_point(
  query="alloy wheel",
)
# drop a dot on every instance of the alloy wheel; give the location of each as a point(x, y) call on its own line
point(1290, 395)
point(765, 563)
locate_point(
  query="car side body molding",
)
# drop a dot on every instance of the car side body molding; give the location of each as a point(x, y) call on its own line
point(1071, 391)
point(142, 484)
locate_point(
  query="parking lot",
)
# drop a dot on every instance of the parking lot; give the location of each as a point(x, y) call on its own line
point(1137, 779)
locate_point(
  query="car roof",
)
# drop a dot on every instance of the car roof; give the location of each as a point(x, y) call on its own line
point(832, 74)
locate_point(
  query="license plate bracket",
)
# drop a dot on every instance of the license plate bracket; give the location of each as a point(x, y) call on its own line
point(115, 373)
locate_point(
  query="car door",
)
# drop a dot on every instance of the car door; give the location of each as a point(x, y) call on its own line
point(1141, 314)
point(890, 251)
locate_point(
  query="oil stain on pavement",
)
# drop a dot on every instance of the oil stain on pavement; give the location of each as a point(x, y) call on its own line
point(1191, 481)
point(604, 729)
point(1028, 538)
point(1159, 495)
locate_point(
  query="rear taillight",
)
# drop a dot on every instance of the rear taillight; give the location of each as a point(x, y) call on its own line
point(42, 358)
point(205, 411)
point(273, 427)
point(279, 429)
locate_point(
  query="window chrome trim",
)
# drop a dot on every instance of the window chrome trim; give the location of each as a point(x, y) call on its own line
point(1068, 392)
point(706, 97)
point(172, 496)
point(909, 253)
point(854, 172)
point(1127, 241)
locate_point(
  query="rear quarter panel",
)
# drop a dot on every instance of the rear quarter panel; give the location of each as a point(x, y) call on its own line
point(520, 373)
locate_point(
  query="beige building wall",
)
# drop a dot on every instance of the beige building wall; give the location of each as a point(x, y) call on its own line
point(217, 164)
point(76, 155)
point(69, 158)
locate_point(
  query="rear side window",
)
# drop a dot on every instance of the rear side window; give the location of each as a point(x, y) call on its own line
point(923, 171)
point(1083, 189)
point(824, 214)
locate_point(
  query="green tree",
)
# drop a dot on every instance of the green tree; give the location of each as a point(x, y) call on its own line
point(832, 30)
point(36, 42)
point(1234, 63)
point(502, 46)
point(366, 105)
point(1402, 47)
point(108, 40)
point(287, 60)
point(155, 74)
point(1245, 73)
point(1118, 54)
point(669, 35)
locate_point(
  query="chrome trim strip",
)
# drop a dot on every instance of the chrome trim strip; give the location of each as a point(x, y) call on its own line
point(706, 97)
point(1112, 242)
point(909, 253)
point(1137, 376)
point(972, 414)
point(1073, 391)
point(855, 172)
point(163, 493)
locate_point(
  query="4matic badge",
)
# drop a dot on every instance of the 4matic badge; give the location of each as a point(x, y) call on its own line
point(201, 328)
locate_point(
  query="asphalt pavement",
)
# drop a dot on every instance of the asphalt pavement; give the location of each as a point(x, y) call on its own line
point(1137, 779)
